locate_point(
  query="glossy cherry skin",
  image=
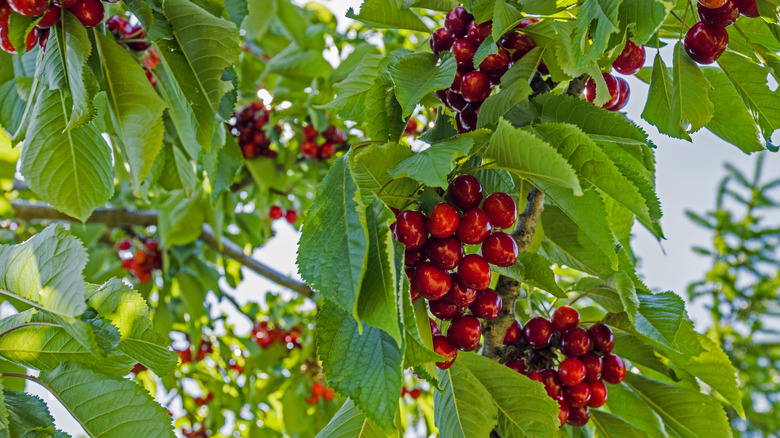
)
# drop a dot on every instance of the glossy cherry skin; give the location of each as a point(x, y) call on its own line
point(434, 327)
point(625, 92)
point(723, 16)
point(413, 290)
point(459, 294)
point(614, 370)
point(443, 220)
point(440, 40)
point(500, 249)
point(455, 101)
point(5, 41)
point(467, 118)
point(537, 332)
point(432, 282)
point(64, 4)
point(464, 52)
point(517, 43)
point(444, 309)
point(275, 212)
point(410, 229)
point(476, 33)
point(552, 382)
point(565, 318)
point(475, 86)
point(712, 4)
point(631, 59)
point(28, 8)
point(704, 44)
point(593, 366)
point(50, 17)
point(748, 8)
point(465, 192)
point(89, 12)
point(474, 272)
point(578, 416)
point(455, 86)
point(474, 227)
point(464, 332)
point(536, 377)
point(577, 396)
point(517, 365)
point(612, 86)
point(602, 338)
point(571, 371)
point(413, 257)
point(326, 150)
point(563, 412)
point(457, 21)
point(501, 210)
point(575, 342)
point(443, 347)
point(5, 10)
point(487, 305)
point(598, 394)
point(495, 65)
point(444, 253)
point(513, 334)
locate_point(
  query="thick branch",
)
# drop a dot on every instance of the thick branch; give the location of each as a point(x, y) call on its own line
point(123, 217)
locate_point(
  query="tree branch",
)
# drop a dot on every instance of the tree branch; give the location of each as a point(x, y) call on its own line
point(30, 211)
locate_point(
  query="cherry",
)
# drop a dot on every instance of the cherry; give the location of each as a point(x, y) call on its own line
point(536, 377)
point(593, 366)
point(334, 135)
point(443, 220)
point(575, 342)
point(151, 245)
point(474, 272)
point(275, 212)
point(631, 59)
point(526, 21)
point(464, 52)
point(459, 294)
point(723, 16)
point(434, 327)
point(415, 393)
point(414, 291)
point(517, 365)
point(552, 382)
point(704, 44)
point(537, 332)
point(577, 396)
point(500, 249)
point(563, 412)
point(443, 347)
point(50, 17)
point(442, 95)
point(457, 21)
point(475, 86)
point(487, 305)
point(465, 191)
point(309, 132)
point(565, 318)
point(309, 148)
point(602, 338)
point(517, 43)
point(748, 8)
point(432, 282)
point(476, 33)
point(614, 370)
point(495, 65)
point(456, 101)
point(455, 86)
point(5, 10)
point(28, 8)
point(467, 119)
point(612, 86)
point(326, 150)
point(445, 253)
point(578, 416)
point(413, 257)
point(64, 4)
point(89, 12)
point(444, 309)
point(625, 93)
point(474, 227)
point(464, 332)
point(291, 216)
point(712, 4)
point(598, 394)
point(440, 40)
point(571, 371)
point(124, 245)
point(138, 33)
point(513, 333)
point(5, 41)
point(411, 127)
point(410, 229)
point(501, 210)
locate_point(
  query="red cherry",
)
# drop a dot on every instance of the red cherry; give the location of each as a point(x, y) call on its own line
point(565, 318)
point(475, 86)
point(309, 132)
point(455, 86)
point(455, 101)
point(625, 92)
point(467, 119)
point(124, 245)
point(500, 249)
point(443, 220)
point(487, 305)
point(536, 377)
point(552, 382)
point(444, 309)
point(334, 135)
point(459, 294)
point(5, 10)
point(432, 282)
point(444, 253)
point(631, 59)
point(748, 8)
point(497, 64)
point(28, 8)
point(593, 366)
point(513, 333)
point(704, 44)
point(474, 272)
point(501, 210)
point(571, 371)
point(443, 347)
point(465, 191)
point(457, 21)
point(291, 216)
point(309, 149)
point(537, 332)
point(50, 17)
point(5, 41)
point(563, 412)
point(411, 127)
point(464, 332)
point(575, 342)
point(578, 416)
point(476, 33)
point(612, 87)
point(414, 291)
point(723, 16)
point(577, 396)
point(413, 257)
point(442, 95)
point(89, 12)
point(525, 22)
point(410, 229)
point(517, 43)
point(517, 365)
point(464, 52)
point(440, 40)
point(64, 4)
point(326, 150)
point(474, 227)
point(275, 212)
point(614, 370)
point(434, 327)
point(602, 338)
point(415, 393)
point(151, 245)
point(712, 4)
point(598, 394)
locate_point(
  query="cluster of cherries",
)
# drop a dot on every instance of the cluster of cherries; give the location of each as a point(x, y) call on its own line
point(318, 390)
point(204, 348)
point(198, 433)
point(143, 261)
point(132, 37)
point(276, 212)
point(265, 336)
point(630, 61)
point(578, 382)
point(331, 137)
point(248, 125)
point(202, 401)
point(434, 246)
point(707, 39)
point(414, 393)
point(89, 12)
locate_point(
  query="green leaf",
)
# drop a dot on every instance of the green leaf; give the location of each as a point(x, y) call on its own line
point(646, 16)
point(463, 408)
point(351, 93)
point(135, 107)
point(181, 219)
point(535, 270)
point(495, 180)
point(529, 157)
point(12, 110)
point(299, 64)
point(26, 413)
point(418, 74)
point(505, 18)
point(107, 406)
point(515, 88)
point(383, 114)
point(590, 42)
point(690, 93)
point(370, 166)
point(45, 272)
point(731, 121)
point(350, 422)
point(387, 14)
point(436, 5)
point(19, 27)
point(363, 366)
point(631, 407)
point(617, 294)
point(431, 166)
point(660, 316)
point(658, 108)
point(223, 166)
point(261, 14)
point(610, 425)
point(334, 239)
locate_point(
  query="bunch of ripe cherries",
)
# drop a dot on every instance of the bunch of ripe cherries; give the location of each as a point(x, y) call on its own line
point(707, 39)
point(577, 381)
point(248, 125)
point(265, 336)
point(318, 391)
point(276, 212)
point(439, 271)
point(630, 61)
point(143, 261)
point(332, 137)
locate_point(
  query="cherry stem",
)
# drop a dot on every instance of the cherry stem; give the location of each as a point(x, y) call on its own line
point(680, 20)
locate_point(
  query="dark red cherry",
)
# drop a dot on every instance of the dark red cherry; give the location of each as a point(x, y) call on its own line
point(552, 382)
point(571, 371)
point(614, 369)
point(496, 65)
point(537, 332)
point(704, 44)
point(445, 253)
point(500, 249)
point(578, 416)
point(464, 332)
point(440, 40)
point(487, 305)
point(577, 396)
point(465, 191)
point(464, 52)
point(602, 338)
point(517, 365)
point(50, 17)
point(536, 377)
point(501, 210)
point(5, 10)
point(434, 327)
point(598, 394)
point(442, 95)
point(410, 229)
point(43, 38)
point(612, 86)
point(467, 118)
point(413, 290)
point(64, 4)
point(443, 347)
point(712, 4)
point(474, 272)
point(748, 8)
point(89, 12)
point(723, 16)
point(31, 40)
point(475, 86)
point(631, 59)
point(565, 318)
point(625, 92)
point(5, 41)
point(517, 43)
point(526, 21)
point(563, 412)
point(474, 227)
point(476, 33)
point(432, 282)
point(443, 220)
point(28, 8)
point(455, 86)
point(413, 257)
point(513, 333)
point(575, 342)
point(457, 21)
point(593, 366)
point(444, 309)
point(455, 100)
point(459, 294)
point(309, 148)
